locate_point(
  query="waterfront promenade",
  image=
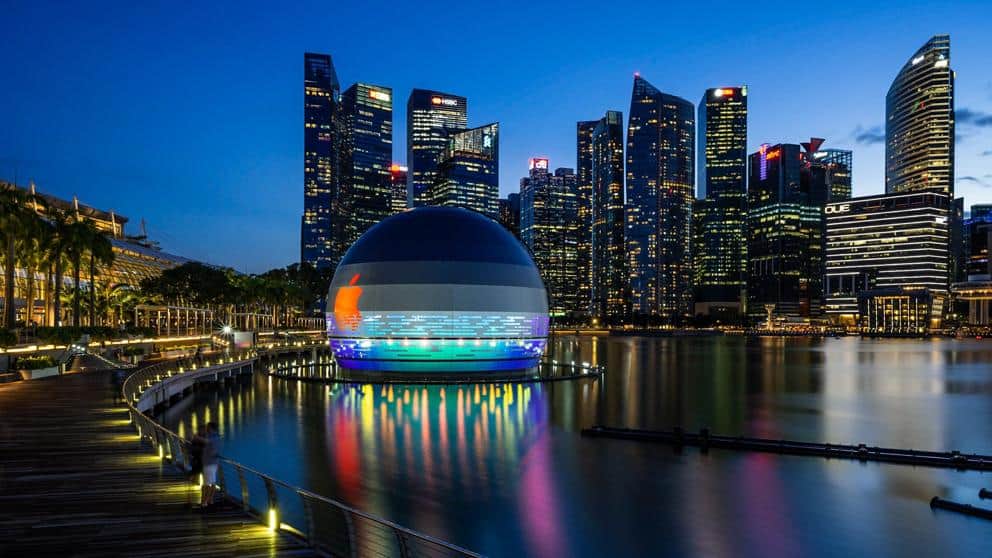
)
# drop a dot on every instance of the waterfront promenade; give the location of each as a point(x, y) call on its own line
point(74, 480)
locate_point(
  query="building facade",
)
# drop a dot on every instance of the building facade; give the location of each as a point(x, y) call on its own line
point(320, 161)
point(609, 274)
point(430, 117)
point(883, 245)
point(468, 175)
point(919, 122)
point(719, 239)
point(660, 178)
point(838, 165)
point(398, 175)
point(365, 185)
point(786, 195)
point(584, 212)
point(509, 213)
point(549, 229)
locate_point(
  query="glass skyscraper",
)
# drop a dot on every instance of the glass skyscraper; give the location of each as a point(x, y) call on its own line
point(786, 195)
point(549, 229)
point(398, 180)
point(320, 164)
point(660, 178)
point(583, 262)
point(919, 122)
point(509, 213)
point(430, 117)
point(468, 175)
point(609, 274)
point(366, 126)
point(719, 237)
point(838, 164)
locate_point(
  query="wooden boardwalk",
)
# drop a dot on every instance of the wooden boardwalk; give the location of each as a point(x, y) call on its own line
point(74, 481)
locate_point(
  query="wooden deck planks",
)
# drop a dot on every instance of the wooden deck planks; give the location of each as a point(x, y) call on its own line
point(74, 481)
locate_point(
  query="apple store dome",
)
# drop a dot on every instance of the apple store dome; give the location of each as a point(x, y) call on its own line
point(437, 290)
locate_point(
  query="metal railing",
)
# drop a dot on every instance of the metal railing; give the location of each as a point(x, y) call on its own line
point(326, 525)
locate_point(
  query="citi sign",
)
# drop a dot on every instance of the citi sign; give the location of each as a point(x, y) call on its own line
point(842, 208)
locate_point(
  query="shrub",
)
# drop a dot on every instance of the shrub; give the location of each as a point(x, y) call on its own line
point(7, 338)
point(35, 362)
point(133, 350)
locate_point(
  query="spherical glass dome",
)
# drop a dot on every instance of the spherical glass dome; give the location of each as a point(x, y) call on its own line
point(437, 290)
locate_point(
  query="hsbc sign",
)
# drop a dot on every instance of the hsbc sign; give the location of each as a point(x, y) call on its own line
point(841, 208)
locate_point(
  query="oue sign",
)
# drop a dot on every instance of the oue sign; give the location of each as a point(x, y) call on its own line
point(842, 208)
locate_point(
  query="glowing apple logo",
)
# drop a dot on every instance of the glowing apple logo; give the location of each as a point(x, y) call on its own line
point(346, 313)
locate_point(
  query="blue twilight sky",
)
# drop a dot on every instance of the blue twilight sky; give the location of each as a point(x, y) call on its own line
point(189, 114)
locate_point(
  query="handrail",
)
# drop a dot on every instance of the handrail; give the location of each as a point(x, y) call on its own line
point(378, 537)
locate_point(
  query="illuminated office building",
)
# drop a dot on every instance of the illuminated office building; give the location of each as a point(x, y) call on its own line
point(887, 253)
point(398, 180)
point(584, 211)
point(320, 97)
point(838, 165)
point(719, 239)
point(975, 292)
point(430, 117)
point(609, 274)
point(919, 122)
point(786, 194)
point(549, 229)
point(660, 176)
point(509, 213)
point(468, 175)
point(365, 185)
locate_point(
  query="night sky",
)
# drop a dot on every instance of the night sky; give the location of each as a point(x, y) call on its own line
point(191, 117)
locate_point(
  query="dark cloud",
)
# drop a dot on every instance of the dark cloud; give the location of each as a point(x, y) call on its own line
point(973, 118)
point(987, 153)
point(974, 180)
point(869, 136)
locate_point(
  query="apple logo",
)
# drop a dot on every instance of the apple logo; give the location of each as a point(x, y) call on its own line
point(346, 313)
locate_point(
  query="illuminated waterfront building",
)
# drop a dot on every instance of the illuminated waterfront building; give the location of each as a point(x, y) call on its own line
point(584, 211)
point(609, 271)
point(509, 213)
point(468, 175)
point(786, 194)
point(437, 291)
point(976, 291)
point(398, 179)
point(719, 239)
point(549, 229)
point(320, 163)
point(365, 186)
point(838, 166)
point(660, 177)
point(430, 117)
point(919, 122)
point(887, 253)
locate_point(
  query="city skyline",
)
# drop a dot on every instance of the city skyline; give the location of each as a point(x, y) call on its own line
point(106, 156)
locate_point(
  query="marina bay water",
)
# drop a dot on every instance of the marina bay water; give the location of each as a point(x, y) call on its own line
point(503, 470)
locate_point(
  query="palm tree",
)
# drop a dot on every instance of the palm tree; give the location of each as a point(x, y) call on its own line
point(77, 241)
point(16, 218)
point(101, 252)
point(34, 253)
point(61, 222)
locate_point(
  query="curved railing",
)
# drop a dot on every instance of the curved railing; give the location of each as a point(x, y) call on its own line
point(325, 524)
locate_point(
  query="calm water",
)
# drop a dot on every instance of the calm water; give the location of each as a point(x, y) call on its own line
point(503, 470)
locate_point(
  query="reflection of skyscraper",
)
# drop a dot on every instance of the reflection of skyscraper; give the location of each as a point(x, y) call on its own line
point(430, 117)
point(919, 121)
point(720, 254)
point(398, 177)
point(320, 97)
point(366, 124)
point(660, 169)
point(786, 194)
point(468, 175)
point(549, 229)
point(583, 262)
point(609, 276)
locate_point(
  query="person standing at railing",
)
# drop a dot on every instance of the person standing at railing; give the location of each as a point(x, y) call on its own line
point(211, 453)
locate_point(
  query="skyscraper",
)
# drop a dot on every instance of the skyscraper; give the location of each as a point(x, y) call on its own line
point(366, 126)
point(660, 176)
point(509, 213)
point(919, 122)
point(468, 175)
point(320, 165)
point(430, 117)
point(838, 165)
point(719, 239)
point(549, 229)
point(609, 275)
point(786, 195)
point(584, 197)
point(398, 183)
